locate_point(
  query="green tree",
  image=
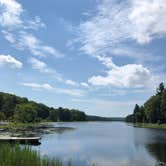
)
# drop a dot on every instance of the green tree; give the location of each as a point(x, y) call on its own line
point(78, 115)
point(53, 115)
point(25, 113)
point(42, 111)
point(137, 113)
point(152, 109)
point(161, 88)
point(9, 103)
point(130, 118)
point(2, 116)
point(163, 107)
point(1, 101)
point(143, 116)
point(21, 109)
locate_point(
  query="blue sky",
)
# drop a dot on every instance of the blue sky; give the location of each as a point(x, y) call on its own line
point(100, 56)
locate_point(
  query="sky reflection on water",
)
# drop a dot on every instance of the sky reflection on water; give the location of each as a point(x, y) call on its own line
point(106, 144)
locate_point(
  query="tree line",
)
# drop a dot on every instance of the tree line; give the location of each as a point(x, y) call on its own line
point(153, 110)
point(20, 109)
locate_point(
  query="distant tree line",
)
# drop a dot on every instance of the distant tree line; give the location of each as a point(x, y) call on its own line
point(99, 118)
point(154, 109)
point(20, 109)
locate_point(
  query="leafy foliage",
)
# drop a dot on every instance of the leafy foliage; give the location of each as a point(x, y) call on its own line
point(20, 109)
point(154, 109)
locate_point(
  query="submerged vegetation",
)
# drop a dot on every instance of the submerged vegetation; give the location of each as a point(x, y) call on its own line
point(153, 113)
point(21, 110)
point(15, 155)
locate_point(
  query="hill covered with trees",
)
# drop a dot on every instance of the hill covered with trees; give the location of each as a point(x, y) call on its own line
point(20, 109)
point(153, 110)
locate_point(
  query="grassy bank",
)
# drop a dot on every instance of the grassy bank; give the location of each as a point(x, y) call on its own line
point(150, 125)
point(14, 155)
point(12, 125)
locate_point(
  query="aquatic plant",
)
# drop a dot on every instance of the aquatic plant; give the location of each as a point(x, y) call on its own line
point(16, 155)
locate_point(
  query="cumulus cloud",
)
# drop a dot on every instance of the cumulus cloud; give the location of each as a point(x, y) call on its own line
point(116, 22)
point(10, 13)
point(147, 17)
point(11, 61)
point(46, 86)
point(12, 16)
point(130, 75)
point(110, 30)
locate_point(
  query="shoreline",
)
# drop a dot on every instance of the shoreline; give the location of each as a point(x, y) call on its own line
point(150, 125)
point(30, 129)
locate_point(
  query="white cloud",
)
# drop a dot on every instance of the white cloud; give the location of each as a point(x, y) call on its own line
point(11, 61)
point(111, 29)
point(38, 86)
point(42, 67)
point(74, 83)
point(140, 55)
point(16, 26)
point(11, 16)
point(148, 17)
point(26, 40)
point(71, 92)
point(71, 82)
point(46, 86)
point(84, 84)
point(9, 36)
point(37, 64)
point(10, 13)
point(116, 22)
point(35, 24)
point(130, 75)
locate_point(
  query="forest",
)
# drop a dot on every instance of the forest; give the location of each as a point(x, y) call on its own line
point(20, 109)
point(153, 110)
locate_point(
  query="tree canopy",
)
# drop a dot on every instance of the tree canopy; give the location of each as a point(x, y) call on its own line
point(153, 110)
point(18, 109)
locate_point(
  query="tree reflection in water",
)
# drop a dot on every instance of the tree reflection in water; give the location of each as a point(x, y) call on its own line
point(157, 150)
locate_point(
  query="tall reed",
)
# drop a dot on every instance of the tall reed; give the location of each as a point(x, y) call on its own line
point(15, 155)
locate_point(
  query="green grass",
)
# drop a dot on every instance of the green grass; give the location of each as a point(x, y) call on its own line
point(150, 125)
point(12, 125)
point(17, 126)
point(15, 155)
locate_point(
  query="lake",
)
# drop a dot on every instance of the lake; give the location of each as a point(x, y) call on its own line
point(106, 144)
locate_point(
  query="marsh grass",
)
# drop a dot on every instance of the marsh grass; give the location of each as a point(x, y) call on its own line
point(15, 155)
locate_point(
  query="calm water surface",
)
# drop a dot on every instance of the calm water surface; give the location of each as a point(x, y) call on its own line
point(106, 144)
